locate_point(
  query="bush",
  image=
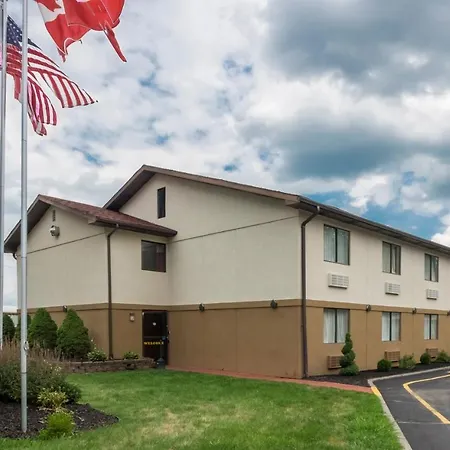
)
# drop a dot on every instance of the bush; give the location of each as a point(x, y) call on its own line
point(442, 357)
point(73, 337)
point(53, 400)
point(58, 424)
point(8, 328)
point(96, 355)
point(42, 330)
point(347, 361)
point(130, 355)
point(17, 335)
point(43, 373)
point(384, 365)
point(407, 362)
point(425, 358)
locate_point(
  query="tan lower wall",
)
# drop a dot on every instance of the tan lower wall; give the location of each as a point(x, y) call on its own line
point(253, 338)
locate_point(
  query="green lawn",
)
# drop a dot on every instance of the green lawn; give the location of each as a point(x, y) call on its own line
point(171, 410)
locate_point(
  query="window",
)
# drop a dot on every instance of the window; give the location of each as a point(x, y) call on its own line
point(391, 258)
point(335, 325)
point(161, 200)
point(430, 326)
point(390, 326)
point(336, 245)
point(153, 256)
point(431, 268)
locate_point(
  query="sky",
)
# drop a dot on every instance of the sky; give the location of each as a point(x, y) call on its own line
point(344, 101)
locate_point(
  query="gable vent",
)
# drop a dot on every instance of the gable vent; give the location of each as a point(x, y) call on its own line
point(432, 294)
point(391, 288)
point(339, 281)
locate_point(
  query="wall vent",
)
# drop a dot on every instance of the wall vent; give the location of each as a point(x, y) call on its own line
point(432, 294)
point(392, 288)
point(339, 281)
point(393, 356)
point(334, 361)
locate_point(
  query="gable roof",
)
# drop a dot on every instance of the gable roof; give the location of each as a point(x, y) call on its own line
point(94, 215)
point(145, 173)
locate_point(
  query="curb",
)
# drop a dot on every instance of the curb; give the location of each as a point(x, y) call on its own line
point(403, 441)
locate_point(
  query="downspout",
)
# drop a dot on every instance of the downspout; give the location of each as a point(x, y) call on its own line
point(303, 288)
point(110, 321)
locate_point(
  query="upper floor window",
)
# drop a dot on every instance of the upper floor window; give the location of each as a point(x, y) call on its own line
point(336, 245)
point(335, 325)
point(161, 202)
point(153, 256)
point(431, 268)
point(391, 258)
point(390, 326)
point(430, 326)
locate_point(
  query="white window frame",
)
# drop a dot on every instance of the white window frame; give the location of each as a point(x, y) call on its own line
point(390, 247)
point(429, 275)
point(336, 257)
point(339, 337)
point(428, 322)
point(390, 315)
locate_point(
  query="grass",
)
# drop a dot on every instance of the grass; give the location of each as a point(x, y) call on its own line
point(171, 410)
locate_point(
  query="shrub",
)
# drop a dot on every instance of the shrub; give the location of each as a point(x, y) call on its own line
point(44, 372)
point(97, 355)
point(384, 365)
point(130, 355)
point(73, 337)
point(407, 362)
point(8, 328)
point(425, 358)
point(50, 399)
point(442, 357)
point(42, 330)
point(347, 361)
point(17, 335)
point(58, 424)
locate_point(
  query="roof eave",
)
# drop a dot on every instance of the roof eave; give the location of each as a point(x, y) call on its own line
point(168, 233)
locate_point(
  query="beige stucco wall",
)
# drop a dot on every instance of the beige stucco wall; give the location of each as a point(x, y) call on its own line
point(366, 278)
point(130, 284)
point(70, 269)
point(231, 246)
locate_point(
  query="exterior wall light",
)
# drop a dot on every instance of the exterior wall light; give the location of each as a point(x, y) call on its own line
point(132, 318)
point(368, 308)
point(65, 308)
point(273, 304)
point(414, 311)
point(201, 307)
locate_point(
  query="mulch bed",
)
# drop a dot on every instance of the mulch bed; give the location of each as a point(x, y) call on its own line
point(85, 418)
point(365, 375)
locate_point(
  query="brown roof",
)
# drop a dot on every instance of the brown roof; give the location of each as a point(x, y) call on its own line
point(95, 215)
point(145, 173)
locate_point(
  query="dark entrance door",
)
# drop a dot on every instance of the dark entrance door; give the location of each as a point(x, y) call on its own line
point(155, 335)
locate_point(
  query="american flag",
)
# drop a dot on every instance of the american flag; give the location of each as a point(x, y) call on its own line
point(40, 108)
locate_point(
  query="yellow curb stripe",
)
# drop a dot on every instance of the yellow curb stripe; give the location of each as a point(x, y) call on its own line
point(376, 391)
point(423, 402)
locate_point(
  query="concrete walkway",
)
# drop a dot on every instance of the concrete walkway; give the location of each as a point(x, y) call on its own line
point(345, 387)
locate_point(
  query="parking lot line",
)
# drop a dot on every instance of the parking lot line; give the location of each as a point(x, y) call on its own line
point(423, 402)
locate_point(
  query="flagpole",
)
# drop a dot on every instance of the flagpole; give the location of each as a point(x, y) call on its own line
point(24, 219)
point(3, 26)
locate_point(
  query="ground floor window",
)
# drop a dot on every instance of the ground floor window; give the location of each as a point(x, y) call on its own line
point(335, 325)
point(430, 326)
point(390, 326)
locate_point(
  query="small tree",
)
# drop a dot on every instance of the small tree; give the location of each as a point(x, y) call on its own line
point(17, 335)
point(347, 361)
point(42, 330)
point(73, 337)
point(8, 328)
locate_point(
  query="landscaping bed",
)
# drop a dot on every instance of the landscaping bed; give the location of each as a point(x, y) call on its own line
point(108, 366)
point(84, 416)
point(362, 379)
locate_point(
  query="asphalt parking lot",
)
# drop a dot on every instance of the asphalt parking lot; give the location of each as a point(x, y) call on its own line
point(420, 404)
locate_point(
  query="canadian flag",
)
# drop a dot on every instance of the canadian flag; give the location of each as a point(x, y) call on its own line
point(68, 21)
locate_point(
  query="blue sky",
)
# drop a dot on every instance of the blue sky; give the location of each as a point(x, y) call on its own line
point(346, 101)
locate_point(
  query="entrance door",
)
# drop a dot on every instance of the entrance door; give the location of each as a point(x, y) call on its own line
point(155, 335)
